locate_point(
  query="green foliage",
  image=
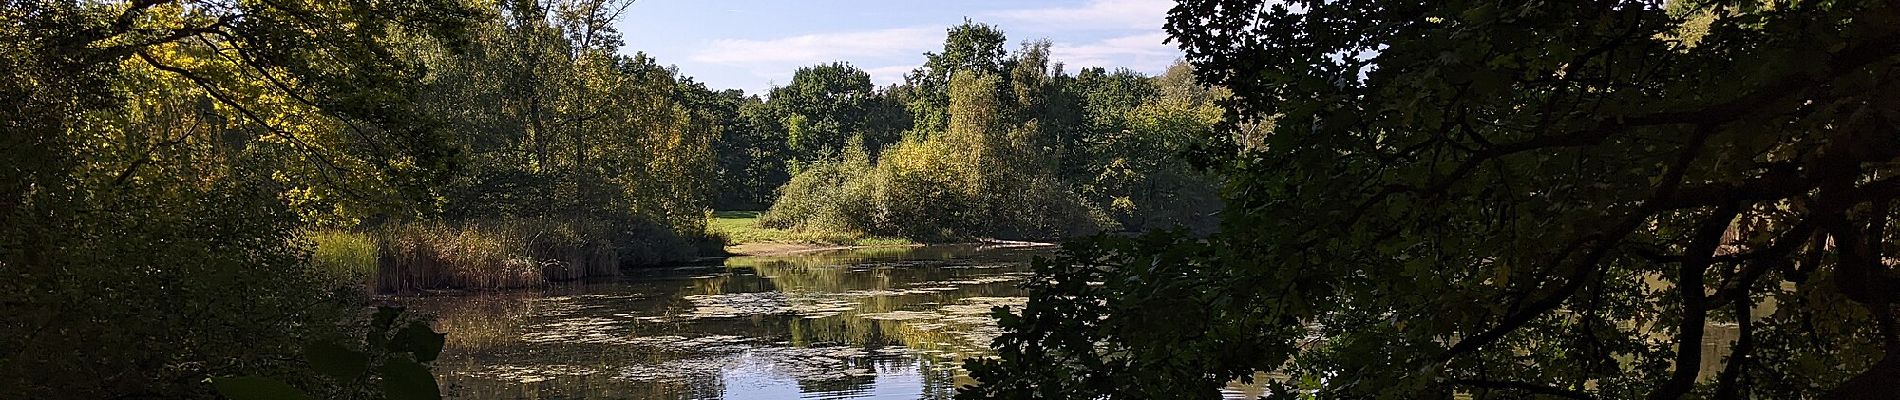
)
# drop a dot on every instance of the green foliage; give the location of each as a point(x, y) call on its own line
point(804, 123)
point(168, 163)
point(162, 159)
point(826, 104)
point(187, 184)
point(1469, 199)
point(749, 154)
point(345, 256)
point(969, 48)
point(744, 227)
point(753, 158)
point(827, 195)
point(1137, 167)
point(975, 180)
point(555, 125)
point(1097, 308)
point(1108, 96)
point(1022, 150)
point(394, 353)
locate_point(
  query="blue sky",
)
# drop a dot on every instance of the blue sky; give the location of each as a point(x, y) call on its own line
point(753, 45)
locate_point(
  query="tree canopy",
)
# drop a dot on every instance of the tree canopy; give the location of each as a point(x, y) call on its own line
point(1599, 199)
point(825, 104)
point(1000, 145)
point(167, 161)
point(153, 152)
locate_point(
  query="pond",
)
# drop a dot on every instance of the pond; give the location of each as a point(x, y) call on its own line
point(888, 323)
point(882, 323)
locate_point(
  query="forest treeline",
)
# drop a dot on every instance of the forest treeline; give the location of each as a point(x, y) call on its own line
point(982, 141)
point(200, 189)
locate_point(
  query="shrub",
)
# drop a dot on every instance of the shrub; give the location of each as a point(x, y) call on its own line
point(827, 195)
point(927, 190)
point(182, 283)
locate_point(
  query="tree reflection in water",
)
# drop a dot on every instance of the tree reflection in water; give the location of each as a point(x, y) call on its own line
point(873, 323)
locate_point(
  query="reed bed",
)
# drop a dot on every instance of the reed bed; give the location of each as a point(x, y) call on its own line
point(413, 257)
point(343, 256)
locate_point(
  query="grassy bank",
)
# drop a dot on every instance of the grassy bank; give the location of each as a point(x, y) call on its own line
point(742, 229)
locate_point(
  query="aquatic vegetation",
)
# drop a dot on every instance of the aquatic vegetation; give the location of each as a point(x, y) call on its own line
point(829, 322)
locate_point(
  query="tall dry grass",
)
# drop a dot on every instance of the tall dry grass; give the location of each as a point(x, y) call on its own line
point(406, 258)
point(491, 255)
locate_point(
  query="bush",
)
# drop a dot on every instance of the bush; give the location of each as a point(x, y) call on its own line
point(826, 196)
point(926, 190)
point(146, 302)
point(646, 243)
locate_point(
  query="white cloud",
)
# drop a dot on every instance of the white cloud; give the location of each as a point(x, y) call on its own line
point(889, 74)
point(820, 47)
point(1143, 52)
point(1095, 14)
point(1133, 27)
point(1087, 33)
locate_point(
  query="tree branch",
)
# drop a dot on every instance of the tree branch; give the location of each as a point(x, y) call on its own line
point(1689, 290)
point(1588, 266)
point(212, 89)
point(1726, 386)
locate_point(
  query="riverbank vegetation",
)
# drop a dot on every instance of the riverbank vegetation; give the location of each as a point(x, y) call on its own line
point(743, 227)
point(1009, 145)
point(413, 257)
point(166, 163)
point(161, 161)
point(203, 189)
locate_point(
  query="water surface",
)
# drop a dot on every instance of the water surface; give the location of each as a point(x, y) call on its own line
point(888, 323)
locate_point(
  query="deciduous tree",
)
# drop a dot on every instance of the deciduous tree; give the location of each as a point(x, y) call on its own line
point(1509, 201)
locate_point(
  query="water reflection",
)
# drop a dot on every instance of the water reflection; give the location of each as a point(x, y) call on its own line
point(890, 323)
point(878, 323)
